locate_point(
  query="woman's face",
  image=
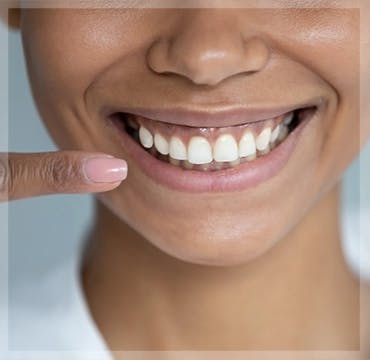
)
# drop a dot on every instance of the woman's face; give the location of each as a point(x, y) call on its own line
point(221, 79)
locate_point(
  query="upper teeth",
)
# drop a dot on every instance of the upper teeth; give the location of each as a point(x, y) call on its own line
point(225, 148)
point(199, 150)
point(161, 144)
point(263, 139)
point(288, 118)
point(177, 149)
point(146, 137)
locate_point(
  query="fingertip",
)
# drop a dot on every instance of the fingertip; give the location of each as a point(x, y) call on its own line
point(105, 170)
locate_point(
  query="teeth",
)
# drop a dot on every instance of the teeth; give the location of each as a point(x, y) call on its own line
point(288, 118)
point(225, 148)
point(225, 152)
point(161, 144)
point(199, 150)
point(177, 149)
point(187, 165)
point(146, 138)
point(174, 161)
point(263, 139)
point(283, 132)
point(235, 162)
point(275, 134)
point(247, 145)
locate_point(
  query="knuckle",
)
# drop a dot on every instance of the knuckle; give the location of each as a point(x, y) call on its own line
point(59, 172)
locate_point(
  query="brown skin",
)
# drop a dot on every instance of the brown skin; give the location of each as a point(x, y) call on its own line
point(248, 272)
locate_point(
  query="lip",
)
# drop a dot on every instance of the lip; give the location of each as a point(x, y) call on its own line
point(244, 176)
point(221, 117)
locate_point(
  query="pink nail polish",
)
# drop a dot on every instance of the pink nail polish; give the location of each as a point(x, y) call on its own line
point(105, 169)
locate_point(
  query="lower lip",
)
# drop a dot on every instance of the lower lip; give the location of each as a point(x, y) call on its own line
point(244, 176)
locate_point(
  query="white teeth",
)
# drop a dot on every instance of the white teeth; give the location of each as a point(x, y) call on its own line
point(146, 138)
point(247, 145)
point(288, 118)
point(225, 148)
point(177, 149)
point(275, 134)
point(263, 139)
point(199, 150)
point(161, 144)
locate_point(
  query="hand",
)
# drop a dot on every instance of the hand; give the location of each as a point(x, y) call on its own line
point(34, 174)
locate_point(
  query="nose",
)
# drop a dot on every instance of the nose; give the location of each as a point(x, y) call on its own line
point(208, 48)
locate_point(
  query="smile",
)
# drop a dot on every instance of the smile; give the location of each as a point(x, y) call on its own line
point(209, 149)
point(199, 159)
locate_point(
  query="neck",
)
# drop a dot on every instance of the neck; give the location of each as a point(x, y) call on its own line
point(301, 289)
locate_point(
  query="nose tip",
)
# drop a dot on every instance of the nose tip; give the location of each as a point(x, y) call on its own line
point(208, 56)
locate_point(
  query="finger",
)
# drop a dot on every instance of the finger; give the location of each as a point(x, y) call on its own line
point(25, 175)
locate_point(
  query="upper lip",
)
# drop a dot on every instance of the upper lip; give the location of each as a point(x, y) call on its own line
point(230, 116)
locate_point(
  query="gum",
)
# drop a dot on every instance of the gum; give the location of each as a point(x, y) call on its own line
point(185, 133)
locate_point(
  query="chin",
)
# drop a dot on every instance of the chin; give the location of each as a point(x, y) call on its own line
point(225, 244)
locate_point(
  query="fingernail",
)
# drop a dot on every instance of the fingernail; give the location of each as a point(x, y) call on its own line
point(105, 169)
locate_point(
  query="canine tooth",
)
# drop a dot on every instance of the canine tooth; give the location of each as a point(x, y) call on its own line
point(247, 145)
point(275, 133)
point(177, 149)
point(146, 138)
point(161, 144)
point(283, 132)
point(288, 118)
point(225, 148)
point(199, 150)
point(263, 139)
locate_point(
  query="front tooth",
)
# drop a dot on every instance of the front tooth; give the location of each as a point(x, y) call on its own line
point(288, 118)
point(263, 139)
point(161, 144)
point(177, 149)
point(146, 138)
point(275, 134)
point(199, 150)
point(247, 145)
point(225, 148)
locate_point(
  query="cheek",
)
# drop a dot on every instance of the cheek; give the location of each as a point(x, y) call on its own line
point(327, 42)
point(60, 53)
point(330, 46)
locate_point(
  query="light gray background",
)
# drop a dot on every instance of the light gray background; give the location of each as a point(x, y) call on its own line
point(44, 231)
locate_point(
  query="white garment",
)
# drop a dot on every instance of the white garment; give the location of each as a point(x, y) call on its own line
point(50, 319)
